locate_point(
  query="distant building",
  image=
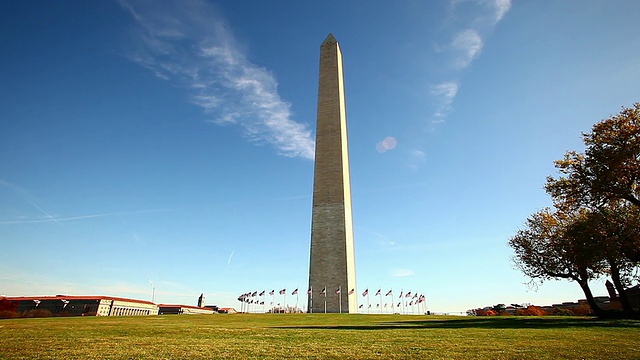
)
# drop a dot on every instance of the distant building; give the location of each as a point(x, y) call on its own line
point(227, 311)
point(165, 309)
point(63, 305)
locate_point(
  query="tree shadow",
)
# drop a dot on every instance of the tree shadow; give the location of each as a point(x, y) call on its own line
point(484, 323)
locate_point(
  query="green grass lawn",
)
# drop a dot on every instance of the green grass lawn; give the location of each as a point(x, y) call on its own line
point(318, 336)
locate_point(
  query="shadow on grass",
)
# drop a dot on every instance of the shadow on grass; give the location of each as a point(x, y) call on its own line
point(484, 323)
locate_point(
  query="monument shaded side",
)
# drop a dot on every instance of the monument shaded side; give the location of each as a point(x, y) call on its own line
point(332, 264)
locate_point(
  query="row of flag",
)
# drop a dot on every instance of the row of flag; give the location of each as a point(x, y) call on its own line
point(246, 296)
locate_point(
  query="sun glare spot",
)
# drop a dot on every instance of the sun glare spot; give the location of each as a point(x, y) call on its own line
point(389, 143)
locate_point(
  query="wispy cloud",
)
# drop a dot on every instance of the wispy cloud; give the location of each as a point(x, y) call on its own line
point(58, 220)
point(501, 8)
point(189, 43)
point(467, 44)
point(479, 17)
point(230, 257)
point(402, 272)
point(443, 94)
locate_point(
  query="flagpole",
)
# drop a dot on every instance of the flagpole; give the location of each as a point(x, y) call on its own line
point(311, 289)
point(380, 300)
point(368, 305)
point(297, 296)
point(340, 296)
point(325, 299)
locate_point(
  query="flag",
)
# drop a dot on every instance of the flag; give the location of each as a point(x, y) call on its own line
point(283, 291)
point(366, 292)
point(411, 303)
point(385, 304)
point(378, 292)
point(295, 292)
point(255, 293)
point(337, 291)
point(377, 305)
point(369, 305)
point(272, 292)
point(352, 291)
point(324, 291)
point(398, 305)
point(415, 296)
point(400, 295)
point(389, 293)
point(261, 302)
point(261, 293)
point(309, 291)
point(408, 294)
point(360, 307)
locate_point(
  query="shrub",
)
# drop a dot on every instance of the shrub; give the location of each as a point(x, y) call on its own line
point(8, 314)
point(561, 312)
point(37, 313)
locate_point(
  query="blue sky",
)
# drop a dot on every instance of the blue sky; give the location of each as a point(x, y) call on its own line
point(172, 141)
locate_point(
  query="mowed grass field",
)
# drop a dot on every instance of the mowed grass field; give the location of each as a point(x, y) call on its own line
point(318, 336)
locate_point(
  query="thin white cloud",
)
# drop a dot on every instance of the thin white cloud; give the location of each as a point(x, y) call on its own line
point(402, 272)
point(190, 44)
point(230, 257)
point(467, 44)
point(50, 218)
point(501, 8)
point(443, 93)
point(479, 17)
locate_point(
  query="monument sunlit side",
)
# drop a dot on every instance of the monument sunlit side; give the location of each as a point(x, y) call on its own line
point(332, 273)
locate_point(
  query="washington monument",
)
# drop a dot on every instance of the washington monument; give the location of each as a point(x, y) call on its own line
point(332, 270)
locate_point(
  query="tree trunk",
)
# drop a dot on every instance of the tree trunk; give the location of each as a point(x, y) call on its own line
point(590, 300)
point(622, 294)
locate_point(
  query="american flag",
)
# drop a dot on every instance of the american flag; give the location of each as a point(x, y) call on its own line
point(408, 294)
point(255, 293)
point(272, 292)
point(400, 295)
point(261, 293)
point(309, 291)
point(378, 292)
point(360, 307)
point(324, 291)
point(366, 292)
point(295, 292)
point(398, 305)
point(337, 291)
point(283, 291)
point(411, 303)
point(389, 292)
point(352, 291)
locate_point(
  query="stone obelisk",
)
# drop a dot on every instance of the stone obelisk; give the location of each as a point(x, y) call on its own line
point(332, 267)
